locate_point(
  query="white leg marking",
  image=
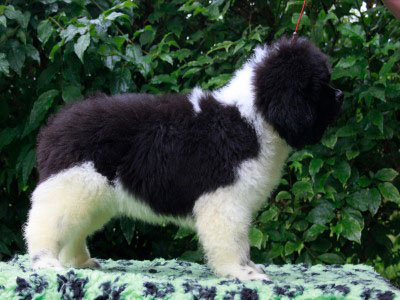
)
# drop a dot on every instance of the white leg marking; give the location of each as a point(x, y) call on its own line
point(222, 224)
point(67, 208)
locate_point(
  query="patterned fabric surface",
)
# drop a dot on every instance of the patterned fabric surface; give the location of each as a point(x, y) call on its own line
point(173, 279)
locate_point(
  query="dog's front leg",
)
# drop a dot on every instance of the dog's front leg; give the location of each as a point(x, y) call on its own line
point(222, 225)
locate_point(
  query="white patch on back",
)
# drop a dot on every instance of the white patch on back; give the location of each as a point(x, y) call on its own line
point(195, 97)
point(239, 91)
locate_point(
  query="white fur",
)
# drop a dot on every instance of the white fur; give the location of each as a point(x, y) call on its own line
point(195, 97)
point(71, 205)
point(134, 208)
point(239, 91)
point(67, 208)
point(224, 216)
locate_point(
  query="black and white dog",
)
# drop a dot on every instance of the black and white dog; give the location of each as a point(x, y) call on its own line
point(207, 160)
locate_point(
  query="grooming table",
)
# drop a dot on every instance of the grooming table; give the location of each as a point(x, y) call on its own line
point(174, 279)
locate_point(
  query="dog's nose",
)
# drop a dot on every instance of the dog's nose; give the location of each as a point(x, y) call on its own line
point(339, 95)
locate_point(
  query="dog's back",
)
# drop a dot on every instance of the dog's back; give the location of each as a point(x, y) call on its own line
point(158, 147)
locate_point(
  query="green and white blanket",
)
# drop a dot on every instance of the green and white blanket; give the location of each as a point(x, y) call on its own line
point(173, 279)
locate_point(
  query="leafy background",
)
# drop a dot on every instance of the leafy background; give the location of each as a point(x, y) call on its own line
point(338, 201)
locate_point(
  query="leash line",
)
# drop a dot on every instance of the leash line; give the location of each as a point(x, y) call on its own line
point(301, 15)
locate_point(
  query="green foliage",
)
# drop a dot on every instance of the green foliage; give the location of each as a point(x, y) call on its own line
point(338, 201)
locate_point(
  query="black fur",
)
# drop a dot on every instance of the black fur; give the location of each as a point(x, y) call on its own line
point(156, 146)
point(167, 155)
point(293, 94)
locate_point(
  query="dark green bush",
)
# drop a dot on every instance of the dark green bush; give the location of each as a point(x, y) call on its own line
point(338, 201)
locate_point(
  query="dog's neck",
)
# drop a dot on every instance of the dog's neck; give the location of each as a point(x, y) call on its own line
point(240, 92)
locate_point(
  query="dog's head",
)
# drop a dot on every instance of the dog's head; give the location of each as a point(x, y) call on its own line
point(293, 92)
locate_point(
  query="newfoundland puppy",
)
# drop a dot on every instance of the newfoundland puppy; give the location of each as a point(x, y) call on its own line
point(207, 160)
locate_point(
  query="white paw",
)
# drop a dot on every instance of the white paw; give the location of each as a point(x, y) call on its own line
point(91, 263)
point(258, 267)
point(47, 262)
point(242, 273)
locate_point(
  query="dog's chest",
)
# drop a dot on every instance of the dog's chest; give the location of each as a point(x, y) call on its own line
point(258, 177)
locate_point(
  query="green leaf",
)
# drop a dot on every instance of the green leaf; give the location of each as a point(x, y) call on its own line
point(346, 62)
point(269, 215)
point(351, 229)
point(122, 81)
point(386, 174)
point(283, 195)
point(69, 33)
point(114, 15)
point(276, 250)
point(329, 141)
point(3, 21)
point(32, 52)
point(193, 256)
point(81, 45)
point(164, 78)
point(304, 20)
point(315, 165)
point(351, 72)
point(191, 72)
point(183, 232)
point(119, 41)
point(27, 165)
point(358, 200)
point(181, 54)
point(147, 37)
point(364, 181)
point(300, 155)
point(47, 75)
point(389, 192)
point(351, 154)
point(39, 110)
point(302, 189)
point(128, 229)
point(16, 56)
point(134, 54)
point(4, 65)
point(320, 183)
point(342, 171)
point(377, 119)
point(255, 237)
point(17, 15)
point(300, 225)
point(377, 93)
point(45, 30)
point(313, 232)
point(386, 67)
point(167, 58)
point(374, 201)
point(71, 93)
point(331, 258)
point(218, 81)
point(291, 247)
point(54, 50)
point(347, 131)
point(7, 135)
point(321, 214)
point(321, 245)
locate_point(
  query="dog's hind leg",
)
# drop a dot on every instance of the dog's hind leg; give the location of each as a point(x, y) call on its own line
point(66, 208)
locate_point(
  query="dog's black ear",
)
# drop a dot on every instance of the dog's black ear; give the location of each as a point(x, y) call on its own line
point(294, 119)
point(287, 85)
